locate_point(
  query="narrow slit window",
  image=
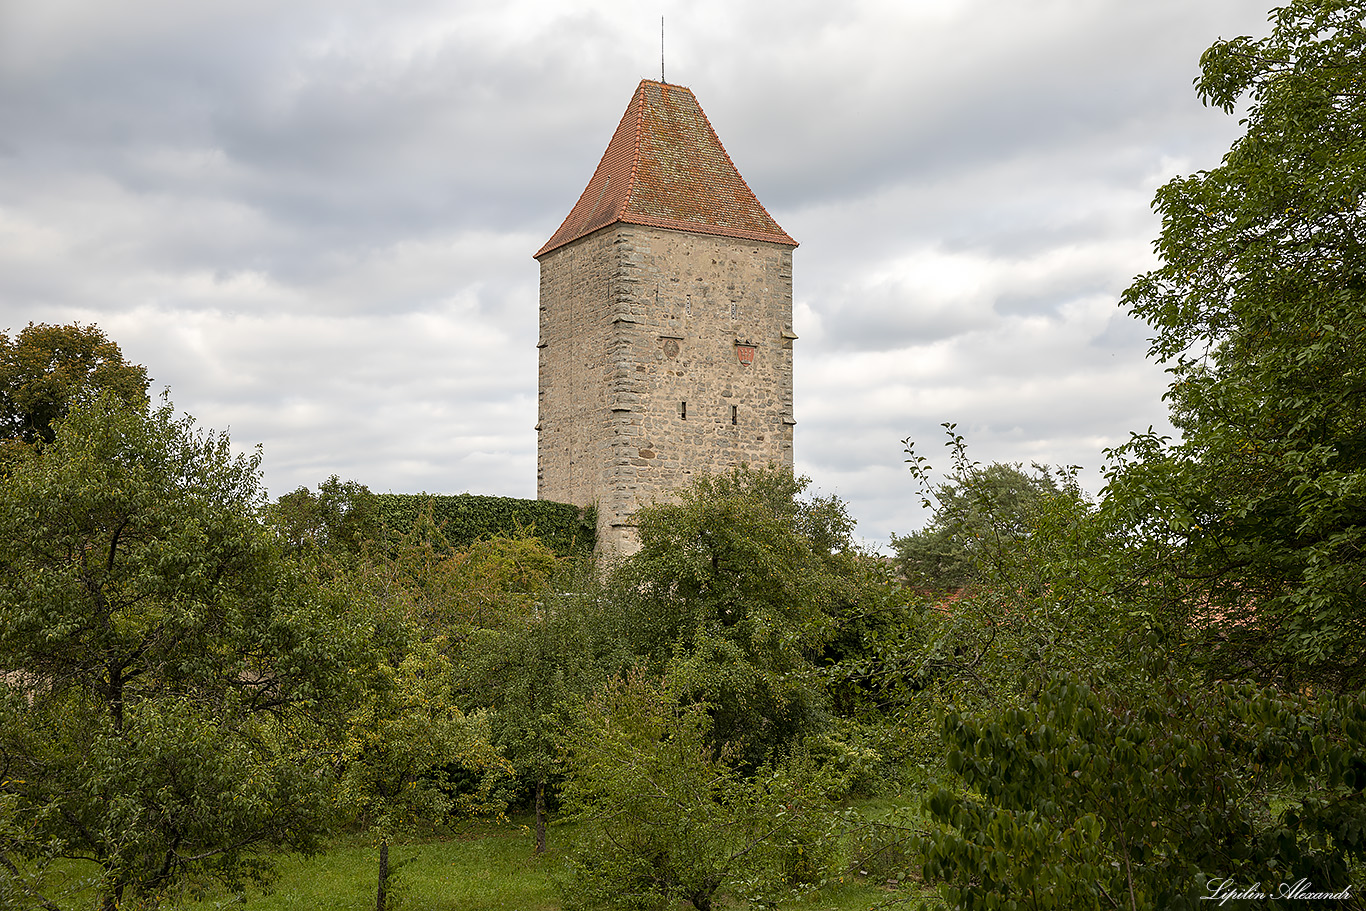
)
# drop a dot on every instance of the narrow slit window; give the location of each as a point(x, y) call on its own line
point(735, 414)
point(734, 309)
point(683, 410)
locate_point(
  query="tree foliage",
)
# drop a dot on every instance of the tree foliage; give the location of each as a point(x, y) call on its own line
point(455, 593)
point(404, 741)
point(1237, 551)
point(981, 512)
point(1088, 799)
point(532, 669)
point(1021, 576)
point(666, 817)
point(45, 368)
point(1259, 309)
point(334, 527)
point(407, 756)
point(162, 667)
point(733, 593)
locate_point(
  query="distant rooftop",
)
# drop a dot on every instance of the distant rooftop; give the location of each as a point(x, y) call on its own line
point(665, 167)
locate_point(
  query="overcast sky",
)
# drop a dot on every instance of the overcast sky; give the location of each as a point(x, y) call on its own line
point(314, 221)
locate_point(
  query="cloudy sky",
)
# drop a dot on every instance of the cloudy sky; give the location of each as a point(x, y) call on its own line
point(313, 221)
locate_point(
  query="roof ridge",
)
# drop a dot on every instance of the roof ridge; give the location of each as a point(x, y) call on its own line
point(639, 102)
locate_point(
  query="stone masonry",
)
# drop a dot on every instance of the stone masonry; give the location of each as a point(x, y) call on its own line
point(665, 341)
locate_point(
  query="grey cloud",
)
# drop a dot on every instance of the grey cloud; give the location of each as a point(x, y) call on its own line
point(314, 220)
point(940, 99)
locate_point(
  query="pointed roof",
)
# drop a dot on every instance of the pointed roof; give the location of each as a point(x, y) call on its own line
point(665, 167)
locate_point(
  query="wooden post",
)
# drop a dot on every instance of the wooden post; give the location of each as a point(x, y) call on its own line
point(540, 816)
point(380, 896)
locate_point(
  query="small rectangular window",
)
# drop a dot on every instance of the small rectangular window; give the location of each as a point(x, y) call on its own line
point(683, 410)
point(735, 414)
point(734, 309)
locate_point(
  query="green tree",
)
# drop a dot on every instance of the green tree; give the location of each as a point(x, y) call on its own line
point(734, 591)
point(1087, 799)
point(1238, 549)
point(505, 655)
point(45, 368)
point(1039, 585)
point(335, 526)
point(533, 668)
point(453, 593)
point(1259, 310)
point(666, 817)
point(407, 756)
point(981, 512)
point(1020, 575)
point(503, 579)
point(400, 742)
point(162, 669)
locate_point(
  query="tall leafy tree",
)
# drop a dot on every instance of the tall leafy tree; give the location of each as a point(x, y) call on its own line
point(1017, 577)
point(666, 817)
point(405, 754)
point(1099, 800)
point(981, 514)
point(162, 670)
point(333, 527)
point(735, 589)
point(1259, 310)
point(45, 367)
point(534, 666)
point(1249, 536)
point(400, 742)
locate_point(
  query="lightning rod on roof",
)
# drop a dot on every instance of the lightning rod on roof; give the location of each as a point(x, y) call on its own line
point(661, 49)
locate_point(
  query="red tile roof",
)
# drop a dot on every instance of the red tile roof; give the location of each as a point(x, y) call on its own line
point(665, 167)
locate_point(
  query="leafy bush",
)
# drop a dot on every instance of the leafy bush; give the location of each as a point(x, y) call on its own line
point(666, 818)
point(734, 593)
point(1095, 800)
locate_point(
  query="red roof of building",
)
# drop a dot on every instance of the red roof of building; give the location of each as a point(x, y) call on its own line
point(665, 167)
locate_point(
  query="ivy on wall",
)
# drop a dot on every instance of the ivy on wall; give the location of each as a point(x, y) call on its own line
point(466, 518)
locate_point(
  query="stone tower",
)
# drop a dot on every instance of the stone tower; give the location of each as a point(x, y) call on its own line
point(666, 322)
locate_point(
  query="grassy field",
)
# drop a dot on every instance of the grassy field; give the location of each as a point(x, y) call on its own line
point(489, 868)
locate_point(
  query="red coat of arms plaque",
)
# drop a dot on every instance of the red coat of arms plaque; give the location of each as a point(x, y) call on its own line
point(745, 353)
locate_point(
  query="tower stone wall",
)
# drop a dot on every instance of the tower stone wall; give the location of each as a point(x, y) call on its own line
point(665, 322)
point(641, 379)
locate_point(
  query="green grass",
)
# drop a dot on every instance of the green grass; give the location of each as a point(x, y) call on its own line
point(488, 868)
